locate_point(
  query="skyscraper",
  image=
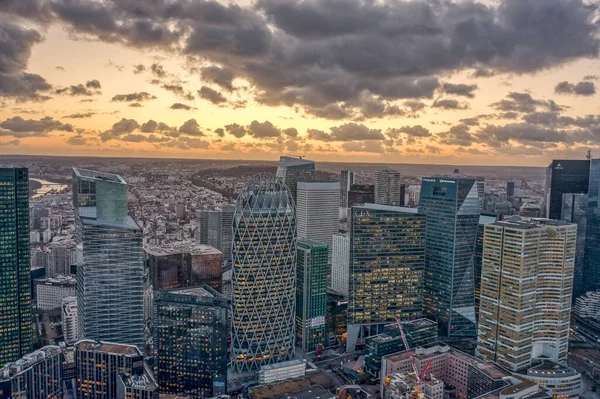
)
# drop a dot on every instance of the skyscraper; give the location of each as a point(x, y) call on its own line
point(361, 194)
point(387, 258)
point(591, 262)
point(15, 282)
point(566, 198)
point(340, 263)
point(510, 190)
point(451, 204)
point(478, 256)
point(110, 260)
point(534, 259)
point(346, 181)
point(264, 274)
point(292, 170)
point(387, 187)
point(214, 229)
point(317, 211)
point(190, 335)
point(311, 294)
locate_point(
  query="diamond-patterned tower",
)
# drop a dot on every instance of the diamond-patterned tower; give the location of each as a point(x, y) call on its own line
point(264, 274)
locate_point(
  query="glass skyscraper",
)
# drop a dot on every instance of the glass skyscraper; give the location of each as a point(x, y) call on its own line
point(15, 286)
point(451, 204)
point(190, 335)
point(292, 170)
point(387, 187)
point(387, 258)
point(311, 294)
point(591, 263)
point(110, 260)
point(214, 229)
point(264, 274)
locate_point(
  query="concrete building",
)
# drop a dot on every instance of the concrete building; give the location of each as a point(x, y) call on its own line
point(360, 194)
point(402, 386)
point(588, 306)
point(51, 291)
point(536, 259)
point(387, 258)
point(69, 320)
point(264, 274)
point(15, 284)
point(317, 211)
point(110, 260)
point(530, 210)
point(560, 380)
point(215, 228)
point(292, 170)
point(478, 257)
point(137, 386)
point(387, 187)
point(190, 335)
point(340, 263)
point(347, 179)
point(37, 375)
point(287, 370)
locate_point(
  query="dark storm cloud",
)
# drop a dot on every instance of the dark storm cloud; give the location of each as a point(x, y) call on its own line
point(191, 127)
point(449, 104)
point(584, 88)
point(141, 96)
point(460, 89)
point(219, 76)
point(19, 127)
point(181, 106)
point(211, 95)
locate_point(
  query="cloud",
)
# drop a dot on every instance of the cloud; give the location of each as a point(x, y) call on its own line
point(19, 127)
point(520, 132)
point(211, 95)
point(152, 126)
point(139, 68)
point(220, 132)
point(290, 132)
point(138, 97)
point(263, 130)
point(158, 71)
point(178, 90)
point(76, 140)
point(182, 106)
point(192, 143)
point(91, 88)
point(14, 142)
point(120, 128)
point(220, 76)
point(523, 102)
point(364, 146)
point(457, 135)
point(59, 68)
point(584, 88)
point(347, 132)
point(432, 149)
point(591, 77)
point(80, 115)
point(459, 89)
point(236, 130)
point(415, 131)
point(191, 127)
point(135, 105)
point(449, 104)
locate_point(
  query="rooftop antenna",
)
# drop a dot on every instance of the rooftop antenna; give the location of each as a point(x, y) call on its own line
point(589, 154)
point(296, 156)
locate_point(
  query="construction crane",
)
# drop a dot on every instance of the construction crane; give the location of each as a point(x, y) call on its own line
point(418, 376)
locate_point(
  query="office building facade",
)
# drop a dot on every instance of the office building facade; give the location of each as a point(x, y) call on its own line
point(360, 194)
point(15, 285)
point(264, 274)
point(387, 187)
point(215, 229)
point(451, 204)
point(37, 375)
point(534, 258)
point(51, 291)
point(311, 294)
point(590, 269)
point(68, 315)
point(190, 335)
point(317, 211)
point(340, 263)
point(347, 178)
point(387, 258)
point(478, 256)
point(293, 170)
point(510, 190)
point(110, 260)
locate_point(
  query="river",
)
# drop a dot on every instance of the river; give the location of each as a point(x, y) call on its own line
point(47, 187)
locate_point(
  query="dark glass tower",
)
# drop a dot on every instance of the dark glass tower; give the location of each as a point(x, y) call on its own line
point(451, 204)
point(15, 291)
point(311, 294)
point(591, 263)
point(292, 170)
point(190, 335)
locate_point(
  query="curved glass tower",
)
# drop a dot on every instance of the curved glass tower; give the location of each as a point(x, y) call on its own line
point(264, 274)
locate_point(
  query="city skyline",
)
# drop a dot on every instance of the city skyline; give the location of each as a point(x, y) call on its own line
point(482, 88)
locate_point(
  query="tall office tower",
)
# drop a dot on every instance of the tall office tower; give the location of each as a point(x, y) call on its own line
point(15, 282)
point(387, 187)
point(451, 204)
point(37, 375)
point(340, 263)
point(69, 320)
point(215, 228)
point(591, 259)
point(317, 211)
point(190, 335)
point(534, 258)
point(60, 259)
point(361, 194)
point(311, 294)
point(566, 198)
point(510, 190)
point(264, 274)
point(346, 181)
point(292, 170)
point(387, 258)
point(402, 194)
point(480, 191)
point(110, 260)
point(478, 256)
point(98, 365)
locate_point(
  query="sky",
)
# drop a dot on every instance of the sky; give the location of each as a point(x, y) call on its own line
point(507, 82)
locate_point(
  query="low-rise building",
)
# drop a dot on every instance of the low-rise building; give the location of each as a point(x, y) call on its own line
point(137, 386)
point(282, 371)
point(561, 381)
point(69, 320)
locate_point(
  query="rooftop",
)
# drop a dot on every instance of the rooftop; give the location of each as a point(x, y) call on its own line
point(108, 347)
point(98, 176)
point(319, 185)
point(523, 385)
point(88, 217)
point(141, 381)
point(29, 360)
point(314, 392)
point(194, 291)
point(181, 247)
point(293, 161)
point(276, 366)
point(485, 219)
point(518, 222)
point(491, 370)
point(59, 281)
point(551, 369)
point(391, 208)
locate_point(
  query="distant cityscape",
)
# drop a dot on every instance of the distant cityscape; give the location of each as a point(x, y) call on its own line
point(145, 278)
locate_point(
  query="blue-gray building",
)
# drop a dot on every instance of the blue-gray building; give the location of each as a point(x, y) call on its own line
point(591, 263)
point(110, 260)
point(451, 204)
point(292, 170)
point(190, 336)
point(15, 285)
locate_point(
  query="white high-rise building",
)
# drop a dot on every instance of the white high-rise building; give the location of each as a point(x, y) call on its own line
point(387, 187)
point(340, 263)
point(317, 211)
point(69, 320)
point(51, 291)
